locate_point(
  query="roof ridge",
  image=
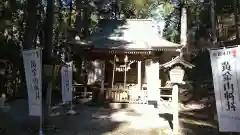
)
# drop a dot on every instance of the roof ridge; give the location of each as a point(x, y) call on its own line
point(139, 19)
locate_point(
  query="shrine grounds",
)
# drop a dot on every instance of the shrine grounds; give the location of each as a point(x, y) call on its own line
point(197, 117)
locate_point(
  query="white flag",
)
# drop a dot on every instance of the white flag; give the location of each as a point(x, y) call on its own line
point(226, 74)
point(33, 73)
point(66, 75)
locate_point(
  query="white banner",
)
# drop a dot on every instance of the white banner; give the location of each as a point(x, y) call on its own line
point(33, 74)
point(226, 74)
point(66, 75)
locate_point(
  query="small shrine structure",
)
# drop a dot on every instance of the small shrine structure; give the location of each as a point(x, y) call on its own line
point(126, 56)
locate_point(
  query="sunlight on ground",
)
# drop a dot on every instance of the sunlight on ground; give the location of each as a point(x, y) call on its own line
point(198, 122)
point(147, 123)
point(144, 121)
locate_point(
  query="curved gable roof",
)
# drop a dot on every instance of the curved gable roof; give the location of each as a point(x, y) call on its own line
point(130, 34)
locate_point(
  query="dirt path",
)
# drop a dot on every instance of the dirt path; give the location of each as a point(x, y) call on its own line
point(88, 121)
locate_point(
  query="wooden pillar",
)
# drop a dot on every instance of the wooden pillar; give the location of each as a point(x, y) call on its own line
point(101, 95)
point(85, 80)
point(139, 75)
point(2, 101)
point(175, 109)
point(113, 71)
point(85, 91)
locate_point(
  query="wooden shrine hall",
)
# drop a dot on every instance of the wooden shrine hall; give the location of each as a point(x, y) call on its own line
point(126, 57)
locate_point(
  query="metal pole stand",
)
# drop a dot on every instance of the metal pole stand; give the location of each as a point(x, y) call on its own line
point(71, 111)
point(56, 107)
point(41, 122)
point(54, 114)
point(41, 132)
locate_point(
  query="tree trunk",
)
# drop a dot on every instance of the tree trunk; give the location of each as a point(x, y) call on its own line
point(86, 22)
point(183, 31)
point(213, 21)
point(29, 35)
point(47, 58)
point(48, 32)
point(79, 19)
point(30, 31)
point(235, 7)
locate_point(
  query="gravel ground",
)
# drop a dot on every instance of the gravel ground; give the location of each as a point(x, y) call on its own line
point(88, 121)
point(101, 121)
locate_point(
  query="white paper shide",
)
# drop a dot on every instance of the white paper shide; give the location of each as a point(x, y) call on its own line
point(225, 68)
point(66, 75)
point(33, 72)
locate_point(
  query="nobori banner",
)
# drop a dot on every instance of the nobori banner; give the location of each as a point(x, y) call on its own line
point(66, 75)
point(33, 74)
point(225, 65)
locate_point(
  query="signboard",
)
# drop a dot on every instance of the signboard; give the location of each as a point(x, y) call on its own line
point(176, 75)
point(33, 74)
point(226, 74)
point(122, 68)
point(66, 75)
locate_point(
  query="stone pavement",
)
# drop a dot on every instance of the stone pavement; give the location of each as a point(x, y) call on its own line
point(89, 121)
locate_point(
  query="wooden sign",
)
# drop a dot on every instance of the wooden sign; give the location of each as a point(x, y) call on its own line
point(176, 75)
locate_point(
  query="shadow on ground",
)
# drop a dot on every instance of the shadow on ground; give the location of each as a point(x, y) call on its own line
point(89, 120)
point(199, 115)
point(194, 123)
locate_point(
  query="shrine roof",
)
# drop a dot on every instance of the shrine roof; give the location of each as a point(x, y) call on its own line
point(130, 34)
point(177, 60)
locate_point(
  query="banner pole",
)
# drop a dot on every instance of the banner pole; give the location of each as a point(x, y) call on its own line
point(50, 98)
point(41, 115)
point(41, 123)
point(71, 107)
point(71, 111)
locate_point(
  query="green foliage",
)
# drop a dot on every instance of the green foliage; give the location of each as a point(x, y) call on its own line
point(11, 27)
point(140, 8)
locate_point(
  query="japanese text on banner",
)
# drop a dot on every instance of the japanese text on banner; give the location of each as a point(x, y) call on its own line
point(228, 86)
point(33, 72)
point(225, 65)
point(66, 75)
